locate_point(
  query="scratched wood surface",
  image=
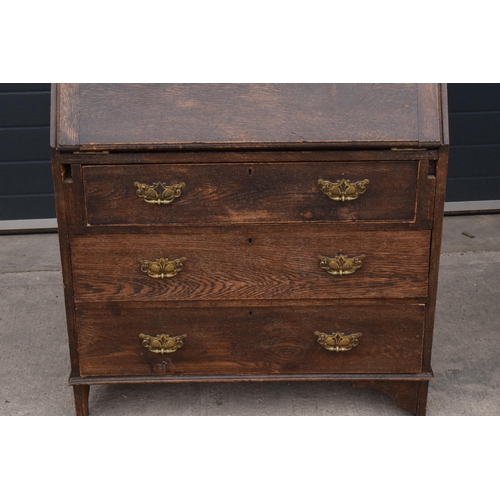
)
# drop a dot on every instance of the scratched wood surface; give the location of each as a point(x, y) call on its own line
point(250, 193)
point(200, 115)
point(250, 263)
point(251, 223)
point(261, 340)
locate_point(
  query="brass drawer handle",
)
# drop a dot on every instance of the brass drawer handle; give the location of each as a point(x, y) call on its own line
point(162, 344)
point(343, 190)
point(159, 193)
point(338, 341)
point(162, 268)
point(341, 265)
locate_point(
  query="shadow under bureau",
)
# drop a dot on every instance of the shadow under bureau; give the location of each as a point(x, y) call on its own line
point(250, 232)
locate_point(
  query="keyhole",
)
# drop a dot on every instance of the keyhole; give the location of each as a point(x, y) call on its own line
point(250, 171)
point(250, 313)
point(249, 241)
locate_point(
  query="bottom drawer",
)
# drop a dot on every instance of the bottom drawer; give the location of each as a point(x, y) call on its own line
point(250, 341)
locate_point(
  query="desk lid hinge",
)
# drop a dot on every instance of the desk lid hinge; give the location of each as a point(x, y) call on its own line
point(91, 152)
point(408, 149)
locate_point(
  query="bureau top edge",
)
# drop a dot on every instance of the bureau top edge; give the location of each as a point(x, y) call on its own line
point(149, 117)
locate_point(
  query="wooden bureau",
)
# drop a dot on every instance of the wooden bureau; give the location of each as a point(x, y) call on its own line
point(250, 232)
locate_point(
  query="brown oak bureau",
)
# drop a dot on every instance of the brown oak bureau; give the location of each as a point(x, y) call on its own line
point(250, 232)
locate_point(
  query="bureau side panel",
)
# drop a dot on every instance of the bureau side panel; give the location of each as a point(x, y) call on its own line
point(441, 172)
point(63, 188)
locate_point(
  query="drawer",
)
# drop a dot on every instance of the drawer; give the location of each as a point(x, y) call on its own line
point(249, 193)
point(244, 341)
point(253, 262)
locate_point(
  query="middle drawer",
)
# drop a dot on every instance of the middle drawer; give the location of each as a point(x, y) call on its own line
point(253, 262)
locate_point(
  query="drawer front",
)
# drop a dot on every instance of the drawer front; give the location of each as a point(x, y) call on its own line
point(250, 193)
point(250, 263)
point(256, 341)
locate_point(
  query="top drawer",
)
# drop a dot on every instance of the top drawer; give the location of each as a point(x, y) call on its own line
point(236, 193)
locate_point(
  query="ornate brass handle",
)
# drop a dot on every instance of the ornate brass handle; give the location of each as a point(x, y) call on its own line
point(341, 265)
point(338, 341)
point(343, 190)
point(159, 193)
point(162, 268)
point(162, 344)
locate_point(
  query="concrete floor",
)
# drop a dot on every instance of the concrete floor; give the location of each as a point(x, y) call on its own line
point(34, 361)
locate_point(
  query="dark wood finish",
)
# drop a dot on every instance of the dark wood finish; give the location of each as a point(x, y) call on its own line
point(243, 341)
point(341, 225)
point(250, 193)
point(423, 387)
point(247, 303)
point(96, 116)
point(251, 222)
point(81, 394)
point(426, 194)
point(68, 114)
point(429, 114)
point(409, 395)
point(230, 155)
point(73, 178)
point(187, 379)
point(78, 221)
point(405, 394)
point(251, 263)
point(442, 168)
point(63, 194)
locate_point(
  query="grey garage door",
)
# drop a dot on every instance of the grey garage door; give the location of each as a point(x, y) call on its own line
point(474, 168)
point(26, 190)
point(26, 184)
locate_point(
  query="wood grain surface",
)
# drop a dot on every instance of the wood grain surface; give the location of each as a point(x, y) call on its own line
point(67, 114)
point(250, 193)
point(251, 263)
point(201, 115)
point(252, 223)
point(239, 341)
point(253, 155)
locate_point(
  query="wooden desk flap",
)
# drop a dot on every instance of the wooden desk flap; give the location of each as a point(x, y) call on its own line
point(169, 116)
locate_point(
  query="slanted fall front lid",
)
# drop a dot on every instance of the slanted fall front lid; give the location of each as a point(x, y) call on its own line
point(172, 116)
